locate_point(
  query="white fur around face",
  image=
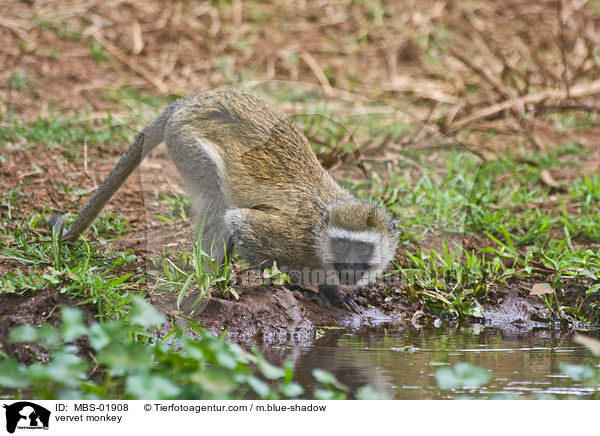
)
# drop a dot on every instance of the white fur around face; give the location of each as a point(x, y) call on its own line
point(368, 236)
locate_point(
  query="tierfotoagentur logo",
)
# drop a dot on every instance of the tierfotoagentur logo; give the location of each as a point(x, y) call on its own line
point(24, 415)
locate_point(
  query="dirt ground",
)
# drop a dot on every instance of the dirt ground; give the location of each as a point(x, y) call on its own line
point(70, 56)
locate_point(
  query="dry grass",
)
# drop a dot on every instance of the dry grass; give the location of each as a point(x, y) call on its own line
point(466, 67)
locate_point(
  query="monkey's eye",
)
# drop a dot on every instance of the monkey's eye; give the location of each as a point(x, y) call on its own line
point(364, 249)
point(340, 247)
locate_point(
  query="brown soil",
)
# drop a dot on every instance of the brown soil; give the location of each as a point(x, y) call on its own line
point(16, 310)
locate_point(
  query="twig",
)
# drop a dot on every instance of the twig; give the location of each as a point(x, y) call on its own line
point(567, 107)
point(19, 28)
point(136, 36)
point(484, 74)
point(116, 52)
point(85, 156)
point(562, 15)
point(581, 90)
point(421, 87)
point(317, 71)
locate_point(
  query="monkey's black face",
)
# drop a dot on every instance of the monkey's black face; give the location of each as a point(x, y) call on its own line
point(350, 252)
point(351, 259)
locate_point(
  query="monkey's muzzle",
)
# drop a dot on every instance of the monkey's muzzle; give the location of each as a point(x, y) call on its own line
point(351, 273)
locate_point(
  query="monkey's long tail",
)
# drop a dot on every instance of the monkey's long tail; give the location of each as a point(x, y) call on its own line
point(146, 141)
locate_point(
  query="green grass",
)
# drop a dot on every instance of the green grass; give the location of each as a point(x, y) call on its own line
point(65, 135)
point(198, 272)
point(179, 206)
point(18, 80)
point(450, 281)
point(61, 28)
point(86, 270)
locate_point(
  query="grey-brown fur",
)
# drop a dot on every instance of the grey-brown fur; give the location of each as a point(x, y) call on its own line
point(252, 177)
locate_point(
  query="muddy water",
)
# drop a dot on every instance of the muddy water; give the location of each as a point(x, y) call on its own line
point(524, 364)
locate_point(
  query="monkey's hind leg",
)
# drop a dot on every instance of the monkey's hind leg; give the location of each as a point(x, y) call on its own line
point(204, 184)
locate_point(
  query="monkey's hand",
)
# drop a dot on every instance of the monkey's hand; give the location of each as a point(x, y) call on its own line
point(332, 295)
point(351, 304)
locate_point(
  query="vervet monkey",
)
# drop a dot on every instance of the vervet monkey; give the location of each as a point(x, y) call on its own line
point(254, 182)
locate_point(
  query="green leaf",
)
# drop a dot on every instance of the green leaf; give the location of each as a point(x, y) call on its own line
point(269, 371)
point(65, 368)
point(594, 288)
point(214, 380)
point(328, 379)
point(327, 394)
point(98, 337)
point(577, 372)
point(475, 310)
point(48, 335)
point(184, 290)
point(144, 314)
point(123, 359)
point(462, 375)
point(260, 387)
point(225, 359)
point(590, 343)
point(23, 333)
point(73, 324)
point(12, 375)
point(291, 389)
point(368, 393)
point(155, 387)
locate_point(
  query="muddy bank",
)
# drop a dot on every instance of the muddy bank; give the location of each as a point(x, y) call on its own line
point(269, 316)
point(273, 315)
point(277, 315)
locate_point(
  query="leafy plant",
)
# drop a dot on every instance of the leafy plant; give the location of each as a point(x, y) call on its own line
point(451, 280)
point(273, 276)
point(139, 364)
point(198, 271)
point(84, 270)
point(462, 376)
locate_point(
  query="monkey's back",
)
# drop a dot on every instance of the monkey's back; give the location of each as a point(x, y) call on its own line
point(264, 160)
point(243, 159)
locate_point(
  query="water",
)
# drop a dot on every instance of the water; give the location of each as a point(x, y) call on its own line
point(524, 364)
